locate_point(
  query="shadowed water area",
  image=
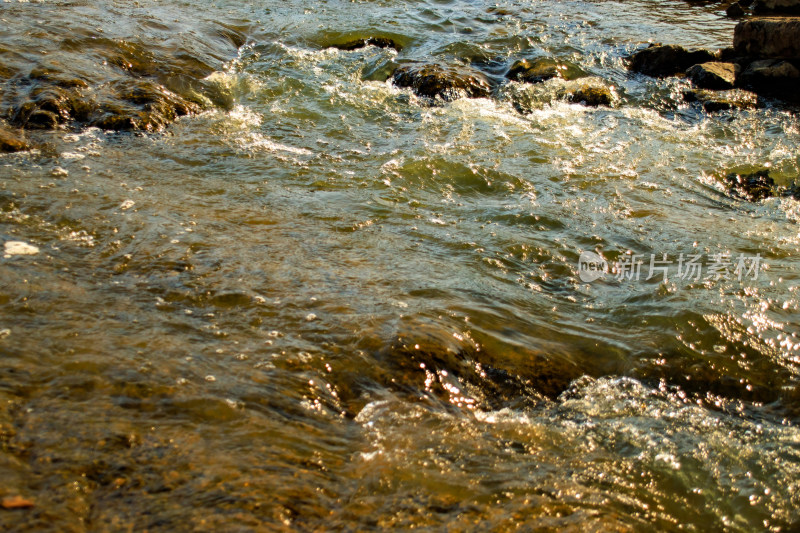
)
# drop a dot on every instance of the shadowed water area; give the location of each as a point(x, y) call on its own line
point(298, 297)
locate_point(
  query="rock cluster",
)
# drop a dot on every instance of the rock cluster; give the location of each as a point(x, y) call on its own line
point(135, 88)
point(764, 59)
point(447, 81)
point(763, 7)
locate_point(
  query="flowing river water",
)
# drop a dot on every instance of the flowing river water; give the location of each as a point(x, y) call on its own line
point(327, 303)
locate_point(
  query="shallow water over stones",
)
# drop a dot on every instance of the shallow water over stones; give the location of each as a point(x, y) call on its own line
point(307, 298)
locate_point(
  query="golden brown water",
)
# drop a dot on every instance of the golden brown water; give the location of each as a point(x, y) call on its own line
point(323, 303)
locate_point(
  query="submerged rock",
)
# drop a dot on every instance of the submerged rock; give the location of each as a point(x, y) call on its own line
point(117, 84)
point(713, 75)
point(6, 72)
point(753, 187)
point(774, 38)
point(543, 68)
point(145, 106)
point(57, 78)
point(125, 104)
point(592, 95)
point(12, 140)
point(427, 361)
point(380, 42)
point(445, 81)
point(45, 107)
point(722, 100)
point(667, 60)
point(590, 91)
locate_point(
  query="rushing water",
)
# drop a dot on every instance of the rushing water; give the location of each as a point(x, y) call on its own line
point(329, 304)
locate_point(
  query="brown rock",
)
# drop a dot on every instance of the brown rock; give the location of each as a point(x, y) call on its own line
point(56, 77)
point(543, 68)
point(12, 140)
point(445, 81)
point(15, 502)
point(768, 38)
point(592, 95)
point(714, 75)
point(713, 101)
point(667, 60)
point(777, 7)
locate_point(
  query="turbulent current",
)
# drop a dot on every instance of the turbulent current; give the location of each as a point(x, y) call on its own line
point(319, 301)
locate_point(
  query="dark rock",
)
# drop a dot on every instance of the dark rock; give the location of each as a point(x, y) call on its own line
point(592, 95)
point(776, 7)
point(771, 76)
point(729, 55)
point(713, 101)
point(746, 3)
point(753, 187)
point(768, 38)
point(445, 81)
point(714, 75)
point(543, 68)
point(667, 60)
point(12, 140)
point(41, 119)
point(145, 106)
point(735, 11)
point(46, 107)
point(380, 42)
point(125, 104)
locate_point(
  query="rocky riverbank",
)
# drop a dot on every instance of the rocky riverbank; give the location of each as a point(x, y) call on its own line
point(143, 89)
point(764, 61)
point(112, 84)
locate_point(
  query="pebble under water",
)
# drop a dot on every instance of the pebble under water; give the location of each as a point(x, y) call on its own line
point(319, 301)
